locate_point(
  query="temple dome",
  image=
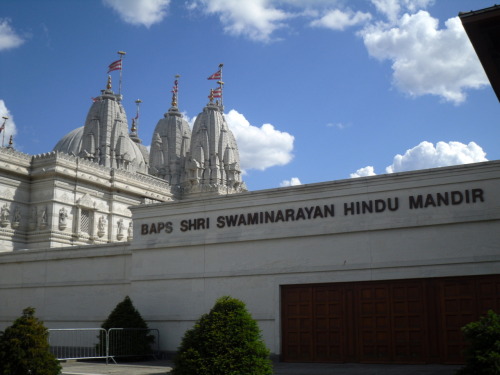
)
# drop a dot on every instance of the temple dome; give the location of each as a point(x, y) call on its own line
point(104, 139)
point(71, 143)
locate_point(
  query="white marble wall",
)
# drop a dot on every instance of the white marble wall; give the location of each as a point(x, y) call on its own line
point(175, 269)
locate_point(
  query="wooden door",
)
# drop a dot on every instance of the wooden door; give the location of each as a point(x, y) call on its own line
point(393, 321)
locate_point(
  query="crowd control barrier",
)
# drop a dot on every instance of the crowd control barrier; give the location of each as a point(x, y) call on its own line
point(98, 343)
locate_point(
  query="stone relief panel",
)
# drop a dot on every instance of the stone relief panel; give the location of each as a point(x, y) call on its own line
point(7, 193)
point(4, 215)
point(122, 210)
point(65, 198)
point(17, 217)
point(44, 217)
point(102, 206)
point(86, 201)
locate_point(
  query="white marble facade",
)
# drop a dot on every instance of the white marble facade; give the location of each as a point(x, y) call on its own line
point(80, 193)
point(56, 200)
point(103, 219)
point(423, 224)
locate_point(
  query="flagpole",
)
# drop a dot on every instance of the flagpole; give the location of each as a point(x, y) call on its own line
point(221, 83)
point(135, 121)
point(121, 53)
point(3, 129)
point(176, 93)
point(138, 102)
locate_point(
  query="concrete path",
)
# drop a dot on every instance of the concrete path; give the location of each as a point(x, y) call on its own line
point(162, 367)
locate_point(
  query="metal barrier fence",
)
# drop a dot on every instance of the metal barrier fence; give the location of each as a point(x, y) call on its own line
point(78, 343)
point(97, 343)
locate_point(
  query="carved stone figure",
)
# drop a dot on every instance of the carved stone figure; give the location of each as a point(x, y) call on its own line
point(101, 226)
point(4, 215)
point(130, 231)
point(43, 222)
point(63, 215)
point(121, 227)
point(17, 218)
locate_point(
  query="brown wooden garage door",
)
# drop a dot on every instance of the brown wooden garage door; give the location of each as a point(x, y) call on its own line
point(397, 321)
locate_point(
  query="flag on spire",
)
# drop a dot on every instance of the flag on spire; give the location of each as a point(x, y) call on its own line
point(115, 65)
point(217, 93)
point(175, 91)
point(2, 128)
point(216, 75)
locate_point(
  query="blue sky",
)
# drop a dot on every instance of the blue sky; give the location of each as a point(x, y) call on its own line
point(315, 90)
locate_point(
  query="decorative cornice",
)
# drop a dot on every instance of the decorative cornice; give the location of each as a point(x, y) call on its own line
point(139, 177)
point(219, 189)
point(11, 152)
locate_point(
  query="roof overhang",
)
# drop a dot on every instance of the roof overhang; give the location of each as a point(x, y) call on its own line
point(483, 28)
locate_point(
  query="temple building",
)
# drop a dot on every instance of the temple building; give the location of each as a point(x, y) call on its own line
point(81, 192)
point(380, 269)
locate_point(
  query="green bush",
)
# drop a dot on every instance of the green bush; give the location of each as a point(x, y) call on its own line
point(24, 348)
point(225, 341)
point(125, 315)
point(483, 351)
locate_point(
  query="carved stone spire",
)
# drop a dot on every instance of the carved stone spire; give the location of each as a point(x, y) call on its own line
point(213, 164)
point(170, 143)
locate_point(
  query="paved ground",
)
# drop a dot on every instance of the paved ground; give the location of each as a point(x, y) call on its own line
point(162, 367)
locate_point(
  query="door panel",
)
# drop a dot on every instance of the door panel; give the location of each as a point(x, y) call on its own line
point(394, 321)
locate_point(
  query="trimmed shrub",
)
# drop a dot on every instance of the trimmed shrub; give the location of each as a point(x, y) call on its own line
point(125, 315)
point(483, 351)
point(226, 341)
point(24, 348)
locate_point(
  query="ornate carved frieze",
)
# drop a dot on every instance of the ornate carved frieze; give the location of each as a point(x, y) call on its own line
point(86, 201)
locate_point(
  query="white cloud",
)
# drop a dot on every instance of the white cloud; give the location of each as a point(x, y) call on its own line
point(140, 12)
point(190, 120)
point(10, 125)
point(389, 8)
point(427, 60)
point(255, 19)
point(8, 37)
point(294, 181)
point(425, 155)
point(393, 8)
point(337, 125)
point(338, 20)
point(260, 148)
point(363, 172)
